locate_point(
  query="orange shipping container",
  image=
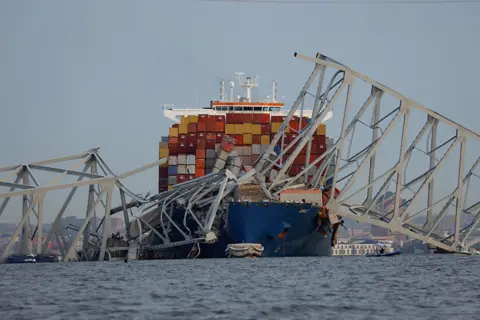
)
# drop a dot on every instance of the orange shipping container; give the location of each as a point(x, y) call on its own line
point(199, 172)
point(202, 118)
point(200, 163)
point(219, 126)
point(200, 154)
point(256, 139)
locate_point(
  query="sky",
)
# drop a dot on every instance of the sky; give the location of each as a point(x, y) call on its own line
point(75, 75)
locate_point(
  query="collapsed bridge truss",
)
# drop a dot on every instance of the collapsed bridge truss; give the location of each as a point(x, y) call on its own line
point(391, 163)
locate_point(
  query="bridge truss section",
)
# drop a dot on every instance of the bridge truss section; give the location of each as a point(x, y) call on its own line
point(395, 163)
point(29, 191)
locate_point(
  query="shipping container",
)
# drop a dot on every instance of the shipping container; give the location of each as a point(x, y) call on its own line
point(164, 139)
point(210, 153)
point(200, 153)
point(193, 119)
point(265, 139)
point(181, 169)
point(173, 132)
point(172, 160)
point(238, 128)
point(182, 159)
point(209, 163)
point(322, 129)
point(199, 172)
point(172, 170)
point(261, 118)
point(256, 149)
point(183, 128)
point(191, 169)
point(246, 117)
point(192, 127)
point(201, 126)
point(190, 159)
point(247, 128)
point(247, 138)
point(230, 128)
point(181, 178)
point(202, 118)
point(172, 180)
point(257, 129)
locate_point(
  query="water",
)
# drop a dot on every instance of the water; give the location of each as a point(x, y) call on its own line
point(403, 287)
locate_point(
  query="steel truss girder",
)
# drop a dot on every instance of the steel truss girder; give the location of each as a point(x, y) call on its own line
point(401, 218)
point(35, 193)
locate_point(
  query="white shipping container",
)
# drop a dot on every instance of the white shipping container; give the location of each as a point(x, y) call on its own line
point(256, 149)
point(172, 160)
point(210, 154)
point(172, 180)
point(191, 169)
point(191, 159)
point(247, 150)
point(182, 159)
point(222, 154)
point(217, 146)
point(181, 169)
point(220, 164)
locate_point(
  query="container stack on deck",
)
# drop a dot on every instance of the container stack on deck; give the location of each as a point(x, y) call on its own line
point(192, 145)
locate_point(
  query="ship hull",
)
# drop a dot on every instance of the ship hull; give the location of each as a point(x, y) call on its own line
point(284, 230)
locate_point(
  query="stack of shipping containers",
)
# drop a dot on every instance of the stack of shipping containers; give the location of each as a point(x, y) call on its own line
point(192, 144)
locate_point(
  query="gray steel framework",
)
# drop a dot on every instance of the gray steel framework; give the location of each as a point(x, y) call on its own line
point(101, 187)
point(345, 168)
point(192, 211)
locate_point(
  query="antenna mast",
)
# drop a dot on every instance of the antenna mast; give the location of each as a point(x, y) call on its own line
point(248, 83)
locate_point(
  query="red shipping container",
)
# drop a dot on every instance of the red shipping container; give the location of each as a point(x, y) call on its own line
point(265, 129)
point(173, 140)
point(210, 125)
point(190, 148)
point(192, 127)
point(256, 139)
point(321, 140)
point(172, 148)
point(230, 118)
point(163, 172)
point(182, 148)
point(219, 137)
point(181, 178)
point(190, 177)
point(220, 119)
point(201, 135)
point(192, 138)
point(239, 138)
point(300, 159)
point(261, 118)
point(176, 125)
point(211, 136)
point(202, 118)
point(294, 124)
point(210, 143)
point(227, 146)
point(200, 164)
point(182, 138)
point(219, 126)
point(199, 172)
point(277, 118)
point(200, 154)
point(247, 117)
point(201, 143)
point(201, 127)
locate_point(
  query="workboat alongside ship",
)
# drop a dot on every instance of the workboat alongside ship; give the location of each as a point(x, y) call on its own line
point(235, 133)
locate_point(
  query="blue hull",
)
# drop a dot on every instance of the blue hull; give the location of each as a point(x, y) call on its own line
point(257, 222)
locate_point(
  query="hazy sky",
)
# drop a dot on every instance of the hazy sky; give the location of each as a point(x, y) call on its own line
point(80, 74)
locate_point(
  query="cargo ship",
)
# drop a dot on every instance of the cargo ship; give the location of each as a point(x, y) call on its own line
point(252, 226)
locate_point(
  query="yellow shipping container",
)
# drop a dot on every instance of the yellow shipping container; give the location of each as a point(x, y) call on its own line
point(265, 139)
point(173, 132)
point(238, 128)
point(170, 187)
point(184, 120)
point(192, 119)
point(276, 126)
point(247, 138)
point(163, 153)
point(247, 128)
point(256, 129)
point(230, 128)
point(322, 129)
point(183, 128)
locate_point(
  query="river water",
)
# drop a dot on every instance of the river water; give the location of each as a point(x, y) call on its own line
point(402, 287)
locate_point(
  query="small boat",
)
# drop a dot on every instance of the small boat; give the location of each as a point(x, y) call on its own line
point(386, 254)
point(32, 258)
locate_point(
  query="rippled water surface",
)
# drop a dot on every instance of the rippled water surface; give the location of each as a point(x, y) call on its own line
point(403, 287)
